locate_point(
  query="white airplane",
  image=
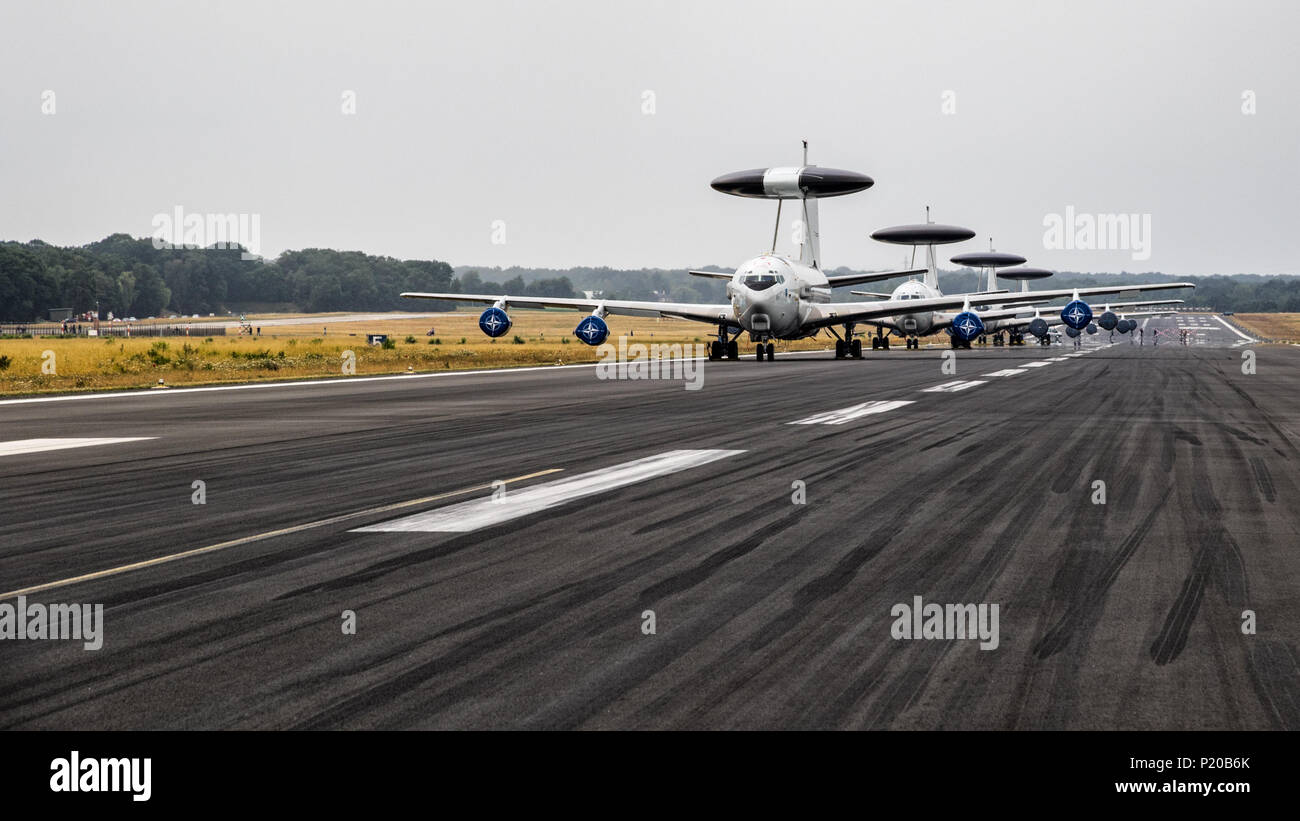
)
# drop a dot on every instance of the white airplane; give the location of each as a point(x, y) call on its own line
point(1002, 311)
point(1039, 326)
point(915, 324)
point(771, 296)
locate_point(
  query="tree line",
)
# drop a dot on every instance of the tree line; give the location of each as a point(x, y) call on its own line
point(129, 277)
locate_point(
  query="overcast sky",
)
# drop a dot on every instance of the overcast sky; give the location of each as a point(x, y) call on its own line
point(536, 115)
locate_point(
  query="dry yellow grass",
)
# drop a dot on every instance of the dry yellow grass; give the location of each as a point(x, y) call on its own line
point(1282, 327)
point(302, 351)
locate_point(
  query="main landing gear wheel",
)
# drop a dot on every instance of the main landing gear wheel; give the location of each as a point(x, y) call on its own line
point(855, 349)
point(839, 348)
point(875, 343)
point(715, 350)
point(733, 350)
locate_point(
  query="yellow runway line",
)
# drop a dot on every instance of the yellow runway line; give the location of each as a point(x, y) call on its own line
point(270, 534)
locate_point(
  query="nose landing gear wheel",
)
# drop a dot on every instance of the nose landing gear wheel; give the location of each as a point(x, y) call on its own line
point(771, 352)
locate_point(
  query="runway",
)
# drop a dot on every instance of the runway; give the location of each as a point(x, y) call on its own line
point(618, 497)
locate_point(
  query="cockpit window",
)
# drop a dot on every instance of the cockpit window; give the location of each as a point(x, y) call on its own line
point(759, 282)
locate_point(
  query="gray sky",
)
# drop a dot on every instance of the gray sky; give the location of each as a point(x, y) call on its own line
point(533, 114)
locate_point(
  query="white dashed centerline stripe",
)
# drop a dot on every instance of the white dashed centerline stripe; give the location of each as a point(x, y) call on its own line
point(1006, 372)
point(839, 417)
point(953, 387)
point(258, 537)
point(19, 446)
point(494, 510)
point(1039, 364)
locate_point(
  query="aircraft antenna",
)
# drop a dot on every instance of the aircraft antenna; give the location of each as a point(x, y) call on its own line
point(776, 229)
point(805, 152)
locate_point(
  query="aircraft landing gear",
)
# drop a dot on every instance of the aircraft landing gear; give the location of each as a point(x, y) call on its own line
point(768, 350)
point(724, 346)
point(847, 346)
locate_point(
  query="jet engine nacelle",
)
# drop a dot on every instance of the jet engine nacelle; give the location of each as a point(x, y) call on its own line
point(592, 330)
point(1108, 321)
point(967, 325)
point(494, 322)
point(1038, 327)
point(1076, 314)
point(1071, 332)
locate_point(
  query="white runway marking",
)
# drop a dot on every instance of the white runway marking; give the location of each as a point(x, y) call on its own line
point(488, 511)
point(953, 387)
point(1006, 372)
point(1234, 330)
point(1040, 364)
point(839, 417)
point(41, 445)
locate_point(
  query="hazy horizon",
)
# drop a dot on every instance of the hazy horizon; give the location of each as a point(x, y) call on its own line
point(511, 135)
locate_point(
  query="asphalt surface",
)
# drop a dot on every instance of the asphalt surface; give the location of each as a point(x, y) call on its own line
point(767, 613)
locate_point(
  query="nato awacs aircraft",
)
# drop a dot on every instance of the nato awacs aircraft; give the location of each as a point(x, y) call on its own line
point(1015, 327)
point(772, 296)
point(1002, 311)
point(1039, 326)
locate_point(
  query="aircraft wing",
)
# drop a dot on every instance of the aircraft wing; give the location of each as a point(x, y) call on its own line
point(855, 279)
point(837, 313)
point(1021, 296)
point(1055, 310)
point(711, 274)
point(713, 314)
point(824, 314)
